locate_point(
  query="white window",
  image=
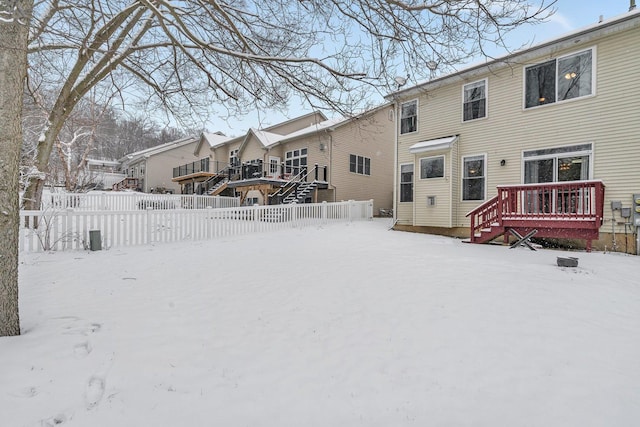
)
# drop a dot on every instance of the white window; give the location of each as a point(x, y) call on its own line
point(432, 167)
point(409, 117)
point(473, 177)
point(475, 100)
point(560, 79)
point(295, 161)
point(233, 158)
point(406, 183)
point(360, 165)
point(570, 163)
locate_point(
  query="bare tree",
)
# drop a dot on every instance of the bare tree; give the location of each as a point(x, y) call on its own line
point(188, 57)
point(14, 19)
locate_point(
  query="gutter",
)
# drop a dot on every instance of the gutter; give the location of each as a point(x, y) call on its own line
point(585, 35)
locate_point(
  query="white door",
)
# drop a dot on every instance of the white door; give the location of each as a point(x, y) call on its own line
point(274, 167)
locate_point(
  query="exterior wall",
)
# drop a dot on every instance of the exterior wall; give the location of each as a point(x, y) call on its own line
point(253, 150)
point(159, 167)
point(608, 119)
point(221, 154)
point(369, 136)
point(296, 124)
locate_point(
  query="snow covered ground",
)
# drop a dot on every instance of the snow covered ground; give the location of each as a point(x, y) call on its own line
point(345, 325)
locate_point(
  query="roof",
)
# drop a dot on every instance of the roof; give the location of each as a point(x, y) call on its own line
point(329, 125)
point(266, 138)
point(433, 144)
point(148, 152)
point(215, 138)
point(608, 26)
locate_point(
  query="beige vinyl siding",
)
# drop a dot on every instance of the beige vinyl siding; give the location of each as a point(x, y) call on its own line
point(296, 124)
point(252, 150)
point(440, 188)
point(370, 137)
point(159, 167)
point(609, 120)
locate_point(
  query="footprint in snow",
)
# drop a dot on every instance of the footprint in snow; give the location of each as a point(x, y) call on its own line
point(83, 329)
point(94, 391)
point(25, 392)
point(54, 421)
point(82, 349)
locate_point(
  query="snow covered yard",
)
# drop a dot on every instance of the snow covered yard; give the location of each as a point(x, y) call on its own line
point(344, 325)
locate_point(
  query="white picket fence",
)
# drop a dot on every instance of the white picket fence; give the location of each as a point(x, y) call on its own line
point(128, 201)
point(72, 229)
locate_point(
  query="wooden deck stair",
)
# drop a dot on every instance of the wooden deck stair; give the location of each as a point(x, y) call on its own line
point(572, 210)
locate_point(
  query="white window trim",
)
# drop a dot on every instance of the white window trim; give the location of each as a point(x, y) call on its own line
point(589, 153)
point(484, 174)
point(417, 117)
point(413, 193)
point(444, 168)
point(486, 101)
point(593, 79)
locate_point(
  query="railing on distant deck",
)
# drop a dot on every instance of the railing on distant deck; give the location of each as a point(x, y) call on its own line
point(575, 200)
point(202, 165)
point(69, 229)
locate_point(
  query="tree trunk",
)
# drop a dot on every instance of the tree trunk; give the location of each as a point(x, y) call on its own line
point(13, 71)
point(33, 193)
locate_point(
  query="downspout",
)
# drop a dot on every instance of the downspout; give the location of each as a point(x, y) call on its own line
point(335, 190)
point(395, 163)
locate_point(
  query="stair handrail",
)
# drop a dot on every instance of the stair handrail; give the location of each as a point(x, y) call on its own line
point(290, 185)
point(219, 176)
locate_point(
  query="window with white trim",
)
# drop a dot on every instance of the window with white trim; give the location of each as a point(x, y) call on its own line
point(473, 177)
point(432, 167)
point(409, 117)
point(233, 158)
point(569, 163)
point(295, 161)
point(560, 79)
point(474, 104)
point(406, 182)
point(359, 164)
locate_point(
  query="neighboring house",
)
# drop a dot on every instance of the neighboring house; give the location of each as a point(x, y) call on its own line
point(306, 159)
point(102, 174)
point(545, 139)
point(150, 169)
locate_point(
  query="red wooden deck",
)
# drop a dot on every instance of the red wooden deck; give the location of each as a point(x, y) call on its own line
point(572, 210)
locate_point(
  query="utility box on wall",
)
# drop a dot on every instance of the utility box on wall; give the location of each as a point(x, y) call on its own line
point(635, 207)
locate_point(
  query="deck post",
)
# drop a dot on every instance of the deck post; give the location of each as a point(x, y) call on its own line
point(316, 172)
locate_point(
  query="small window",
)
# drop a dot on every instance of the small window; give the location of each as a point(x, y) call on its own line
point(409, 117)
point(432, 167)
point(360, 165)
point(475, 100)
point(559, 80)
point(233, 158)
point(473, 178)
point(406, 183)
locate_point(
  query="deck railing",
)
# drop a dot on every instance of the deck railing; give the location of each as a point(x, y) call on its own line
point(199, 166)
point(562, 201)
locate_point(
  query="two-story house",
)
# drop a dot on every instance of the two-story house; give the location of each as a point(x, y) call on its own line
point(306, 159)
point(545, 141)
point(150, 169)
